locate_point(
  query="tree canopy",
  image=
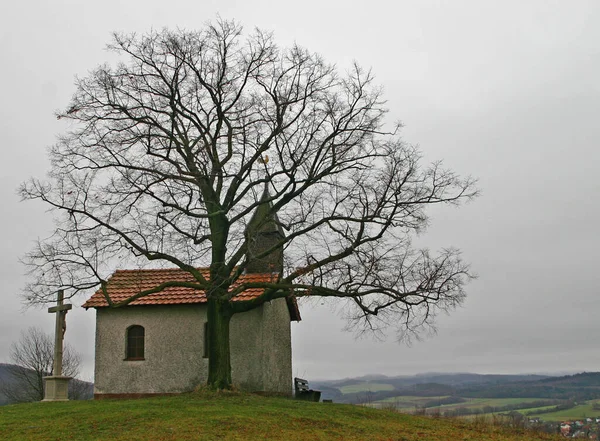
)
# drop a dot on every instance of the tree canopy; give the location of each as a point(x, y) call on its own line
point(171, 152)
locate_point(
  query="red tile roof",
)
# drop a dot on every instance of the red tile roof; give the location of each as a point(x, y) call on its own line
point(126, 283)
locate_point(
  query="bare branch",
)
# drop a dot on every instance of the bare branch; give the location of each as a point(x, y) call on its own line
point(166, 161)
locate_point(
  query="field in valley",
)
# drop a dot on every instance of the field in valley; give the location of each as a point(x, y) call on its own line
point(466, 395)
point(580, 411)
point(365, 387)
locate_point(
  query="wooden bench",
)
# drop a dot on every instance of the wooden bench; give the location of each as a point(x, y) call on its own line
point(303, 392)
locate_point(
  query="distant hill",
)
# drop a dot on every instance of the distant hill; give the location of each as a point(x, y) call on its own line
point(5, 378)
point(82, 389)
point(451, 379)
point(427, 384)
point(578, 387)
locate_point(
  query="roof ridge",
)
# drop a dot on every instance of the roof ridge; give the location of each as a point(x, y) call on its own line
point(130, 270)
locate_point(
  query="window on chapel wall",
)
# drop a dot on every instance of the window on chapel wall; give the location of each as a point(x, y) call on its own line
point(135, 343)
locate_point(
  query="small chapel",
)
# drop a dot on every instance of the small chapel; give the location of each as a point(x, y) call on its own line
point(157, 344)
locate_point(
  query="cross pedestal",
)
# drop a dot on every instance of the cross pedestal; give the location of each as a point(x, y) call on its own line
point(57, 386)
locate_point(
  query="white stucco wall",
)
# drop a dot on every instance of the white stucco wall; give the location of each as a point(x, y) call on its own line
point(262, 338)
point(261, 355)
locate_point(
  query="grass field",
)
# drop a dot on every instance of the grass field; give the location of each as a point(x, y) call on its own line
point(534, 409)
point(232, 416)
point(365, 387)
point(405, 401)
point(475, 403)
point(577, 412)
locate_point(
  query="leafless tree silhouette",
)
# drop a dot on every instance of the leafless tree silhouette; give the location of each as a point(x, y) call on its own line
point(170, 153)
point(33, 358)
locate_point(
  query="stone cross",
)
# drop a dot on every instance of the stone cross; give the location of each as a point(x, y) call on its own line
point(59, 331)
point(56, 385)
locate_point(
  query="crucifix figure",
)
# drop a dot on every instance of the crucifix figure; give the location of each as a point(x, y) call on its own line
point(56, 385)
point(59, 331)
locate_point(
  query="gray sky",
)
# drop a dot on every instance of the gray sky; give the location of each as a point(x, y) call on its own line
point(508, 91)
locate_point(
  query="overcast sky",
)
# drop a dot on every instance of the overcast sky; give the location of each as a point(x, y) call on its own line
point(507, 91)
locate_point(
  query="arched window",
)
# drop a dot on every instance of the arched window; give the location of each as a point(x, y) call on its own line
point(135, 343)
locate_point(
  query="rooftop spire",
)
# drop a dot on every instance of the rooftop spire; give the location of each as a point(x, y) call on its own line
point(263, 232)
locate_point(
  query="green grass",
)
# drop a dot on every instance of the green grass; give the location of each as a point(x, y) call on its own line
point(577, 412)
point(475, 403)
point(534, 409)
point(365, 387)
point(405, 401)
point(231, 416)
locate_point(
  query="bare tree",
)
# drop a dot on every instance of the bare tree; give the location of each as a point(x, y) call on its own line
point(196, 141)
point(33, 358)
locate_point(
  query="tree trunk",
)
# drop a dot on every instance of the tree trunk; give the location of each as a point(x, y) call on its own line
point(219, 361)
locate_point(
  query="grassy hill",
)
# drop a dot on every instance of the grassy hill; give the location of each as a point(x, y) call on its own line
point(232, 416)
